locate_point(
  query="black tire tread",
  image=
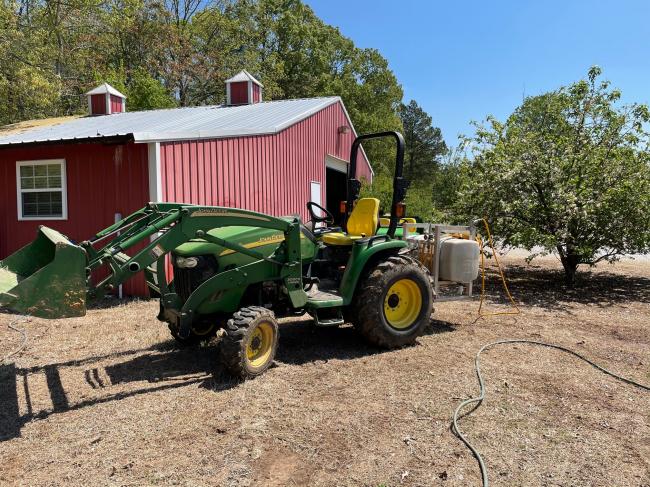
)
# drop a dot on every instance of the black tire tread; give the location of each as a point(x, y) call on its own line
point(232, 348)
point(369, 303)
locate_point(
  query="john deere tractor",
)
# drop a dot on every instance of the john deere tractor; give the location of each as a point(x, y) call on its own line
point(238, 271)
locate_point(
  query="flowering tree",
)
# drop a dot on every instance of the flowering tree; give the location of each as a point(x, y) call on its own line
point(568, 173)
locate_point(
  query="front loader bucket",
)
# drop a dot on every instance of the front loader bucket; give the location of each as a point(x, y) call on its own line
point(46, 278)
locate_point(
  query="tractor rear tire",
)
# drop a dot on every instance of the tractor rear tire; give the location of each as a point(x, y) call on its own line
point(393, 303)
point(250, 341)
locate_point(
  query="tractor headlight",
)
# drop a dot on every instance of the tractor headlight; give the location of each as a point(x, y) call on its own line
point(187, 262)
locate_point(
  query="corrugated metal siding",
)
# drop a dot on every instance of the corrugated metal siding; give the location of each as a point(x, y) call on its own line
point(266, 173)
point(101, 180)
point(116, 104)
point(98, 104)
point(256, 93)
point(239, 92)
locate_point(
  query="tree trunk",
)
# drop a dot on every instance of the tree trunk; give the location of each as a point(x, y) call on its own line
point(570, 263)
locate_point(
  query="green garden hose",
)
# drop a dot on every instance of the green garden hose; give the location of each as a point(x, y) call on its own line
point(479, 399)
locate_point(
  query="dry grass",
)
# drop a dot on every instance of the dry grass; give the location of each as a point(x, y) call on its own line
point(108, 399)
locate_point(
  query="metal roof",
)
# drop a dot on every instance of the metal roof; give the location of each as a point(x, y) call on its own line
point(105, 88)
point(243, 75)
point(204, 122)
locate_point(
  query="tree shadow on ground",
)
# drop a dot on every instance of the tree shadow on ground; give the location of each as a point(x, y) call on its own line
point(546, 288)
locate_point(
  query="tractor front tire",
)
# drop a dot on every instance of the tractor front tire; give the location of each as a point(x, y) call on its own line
point(250, 341)
point(393, 303)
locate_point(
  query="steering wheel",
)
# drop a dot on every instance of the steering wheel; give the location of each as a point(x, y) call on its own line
point(327, 217)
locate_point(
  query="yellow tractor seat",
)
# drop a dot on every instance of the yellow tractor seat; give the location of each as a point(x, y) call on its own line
point(362, 223)
point(338, 238)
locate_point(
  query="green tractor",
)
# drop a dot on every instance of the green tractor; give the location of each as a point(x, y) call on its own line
point(238, 271)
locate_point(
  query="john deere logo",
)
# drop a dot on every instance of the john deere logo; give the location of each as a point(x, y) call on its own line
point(258, 243)
point(271, 239)
point(227, 213)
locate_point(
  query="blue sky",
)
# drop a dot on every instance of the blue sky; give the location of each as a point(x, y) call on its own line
point(463, 60)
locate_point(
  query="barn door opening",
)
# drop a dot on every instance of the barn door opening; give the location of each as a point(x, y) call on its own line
point(335, 185)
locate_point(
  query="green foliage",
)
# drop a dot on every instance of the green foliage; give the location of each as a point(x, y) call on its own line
point(381, 188)
point(297, 55)
point(144, 92)
point(424, 151)
point(179, 52)
point(26, 90)
point(568, 172)
point(446, 185)
point(420, 204)
point(424, 143)
point(431, 178)
point(419, 201)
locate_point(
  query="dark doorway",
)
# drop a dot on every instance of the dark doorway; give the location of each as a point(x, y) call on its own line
point(336, 185)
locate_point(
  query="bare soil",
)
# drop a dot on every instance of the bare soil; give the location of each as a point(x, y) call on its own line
point(109, 399)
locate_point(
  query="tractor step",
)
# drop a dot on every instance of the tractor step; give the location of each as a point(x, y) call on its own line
point(328, 317)
point(323, 298)
point(324, 305)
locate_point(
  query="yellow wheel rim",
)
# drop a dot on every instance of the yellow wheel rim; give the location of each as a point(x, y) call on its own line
point(402, 304)
point(260, 344)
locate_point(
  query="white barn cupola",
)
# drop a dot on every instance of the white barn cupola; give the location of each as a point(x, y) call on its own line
point(243, 89)
point(105, 100)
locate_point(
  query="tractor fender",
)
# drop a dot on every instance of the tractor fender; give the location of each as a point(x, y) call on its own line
point(362, 258)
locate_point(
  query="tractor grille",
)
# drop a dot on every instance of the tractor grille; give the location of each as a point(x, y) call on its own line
point(187, 280)
point(183, 282)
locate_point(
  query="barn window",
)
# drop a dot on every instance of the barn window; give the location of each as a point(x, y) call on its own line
point(41, 190)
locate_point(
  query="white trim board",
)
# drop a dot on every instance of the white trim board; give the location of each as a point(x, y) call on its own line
point(155, 175)
point(336, 163)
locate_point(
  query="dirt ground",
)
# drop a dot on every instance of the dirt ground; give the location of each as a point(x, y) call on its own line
point(108, 399)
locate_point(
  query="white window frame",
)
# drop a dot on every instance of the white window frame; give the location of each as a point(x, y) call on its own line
point(64, 190)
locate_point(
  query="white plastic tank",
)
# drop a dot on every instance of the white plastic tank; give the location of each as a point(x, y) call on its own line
point(459, 259)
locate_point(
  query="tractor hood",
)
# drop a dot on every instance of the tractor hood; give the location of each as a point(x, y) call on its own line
point(262, 239)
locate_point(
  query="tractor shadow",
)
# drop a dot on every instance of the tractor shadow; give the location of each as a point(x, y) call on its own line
point(107, 378)
point(121, 375)
point(301, 342)
point(535, 286)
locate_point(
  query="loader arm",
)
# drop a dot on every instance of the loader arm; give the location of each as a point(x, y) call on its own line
point(161, 228)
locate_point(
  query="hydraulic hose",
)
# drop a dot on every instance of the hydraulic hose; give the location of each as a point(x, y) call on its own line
point(479, 399)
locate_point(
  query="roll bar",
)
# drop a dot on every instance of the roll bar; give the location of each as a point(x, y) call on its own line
point(399, 183)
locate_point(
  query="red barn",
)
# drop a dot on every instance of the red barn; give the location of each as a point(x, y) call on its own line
point(78, 174)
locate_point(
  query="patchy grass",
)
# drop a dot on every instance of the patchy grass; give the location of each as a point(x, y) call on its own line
point(110, 399)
